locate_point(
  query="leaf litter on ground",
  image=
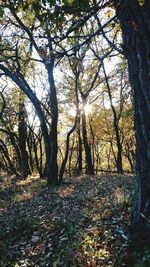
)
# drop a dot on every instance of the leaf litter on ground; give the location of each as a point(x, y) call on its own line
point(82, 223)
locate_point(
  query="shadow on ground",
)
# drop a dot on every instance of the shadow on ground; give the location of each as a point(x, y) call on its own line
point(84, 222)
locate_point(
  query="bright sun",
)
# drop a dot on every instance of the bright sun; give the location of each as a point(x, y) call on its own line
point(87, 109)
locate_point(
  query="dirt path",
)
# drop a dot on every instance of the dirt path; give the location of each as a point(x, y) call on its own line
point(82, 223)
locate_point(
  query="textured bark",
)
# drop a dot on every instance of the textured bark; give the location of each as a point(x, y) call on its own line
point(135, 24)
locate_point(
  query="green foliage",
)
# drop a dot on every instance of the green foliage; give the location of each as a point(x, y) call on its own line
point(91, 252)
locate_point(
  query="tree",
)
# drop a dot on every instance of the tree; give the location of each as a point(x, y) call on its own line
point(116, 126)
point(16, 72)
point(134, 20)
point(40, 26)
point(22, 131)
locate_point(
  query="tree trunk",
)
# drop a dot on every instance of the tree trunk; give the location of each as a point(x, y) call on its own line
point(70, 156)
point(22, 130)
point(14, 141)
point(92, 142)
point(116, 126)
point(88, 156)
point(41, 173)
point(52, 166)
point(7, 159)
point(135, 25)
point(79, 170)
point(29, 144)
point(129, 154)
point(62, 169)
point(20, 81)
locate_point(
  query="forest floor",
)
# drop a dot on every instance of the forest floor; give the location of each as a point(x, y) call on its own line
point(82, 223)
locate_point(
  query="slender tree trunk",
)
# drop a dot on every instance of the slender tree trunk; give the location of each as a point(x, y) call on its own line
point(77, 118)
point(90, 169)
point(7, 159)
point(22, 129)
point(116, 126)
point(14, 140)
point(129, 154)
point(135, 21)
point(41, 173)
point(70, 156)
point(79, 170)
point(108, 154)
point(52, 166)
point(37, 161)
point(93, 141)
point(29, 144)
point(62, 169)
point(20, 81)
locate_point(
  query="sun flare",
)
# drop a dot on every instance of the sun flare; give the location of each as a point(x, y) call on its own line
point(87, 109)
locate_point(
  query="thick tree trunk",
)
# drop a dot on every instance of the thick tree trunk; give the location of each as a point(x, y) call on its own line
point(135, 24)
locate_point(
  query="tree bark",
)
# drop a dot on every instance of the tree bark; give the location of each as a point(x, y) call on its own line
point(116, 126)
point(9, 163)
point(79, 170)
point(22, 131)
point(62, 169)
point(20, 81)
point(135, 24)
point(53, 166)
point(88, 156)
point(14, 141)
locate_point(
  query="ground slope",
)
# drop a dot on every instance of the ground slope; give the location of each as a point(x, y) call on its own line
point(84, 222)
